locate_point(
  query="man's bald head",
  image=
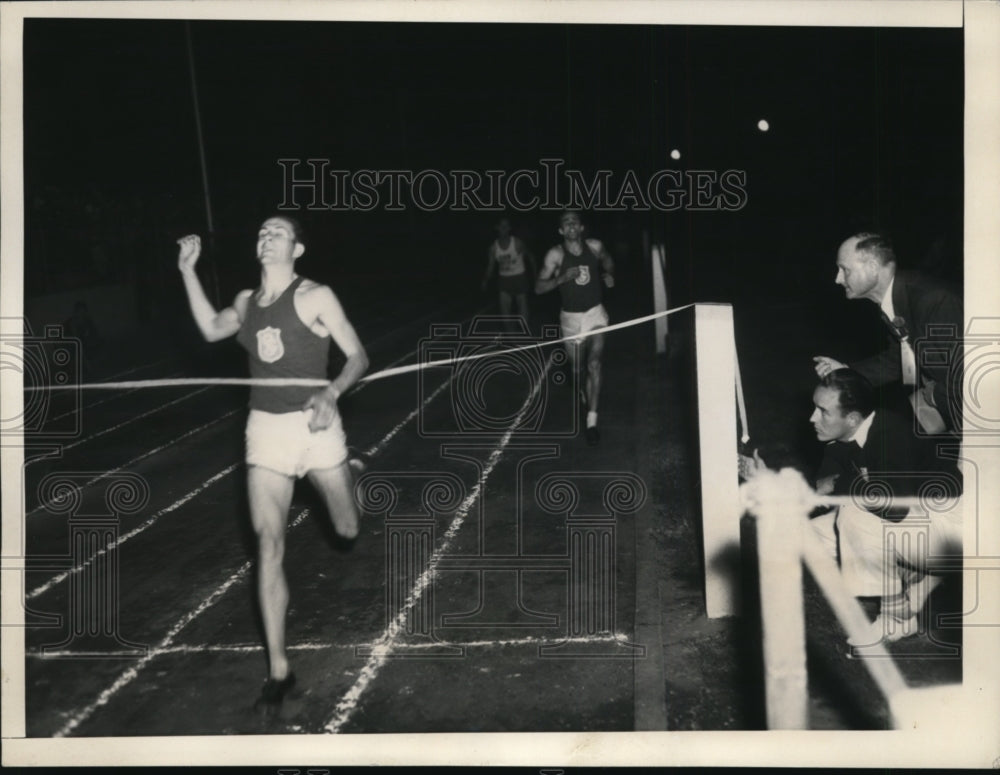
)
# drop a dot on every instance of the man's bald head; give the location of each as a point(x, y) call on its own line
point(866, 264)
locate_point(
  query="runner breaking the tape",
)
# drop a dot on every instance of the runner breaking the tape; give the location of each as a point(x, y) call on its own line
point(285, 325)
point(578, 268)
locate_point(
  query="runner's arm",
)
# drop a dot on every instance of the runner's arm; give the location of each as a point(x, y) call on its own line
point(550, 277)
point(331, 314)
point(213, 325)
point(607, 263)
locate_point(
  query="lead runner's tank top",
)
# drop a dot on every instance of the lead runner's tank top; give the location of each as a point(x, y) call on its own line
point(281, 345)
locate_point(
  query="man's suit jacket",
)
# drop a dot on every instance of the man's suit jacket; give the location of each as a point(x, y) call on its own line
point(894, 458)
point(922, 303)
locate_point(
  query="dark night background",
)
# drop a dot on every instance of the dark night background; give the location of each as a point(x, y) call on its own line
point(866, 127)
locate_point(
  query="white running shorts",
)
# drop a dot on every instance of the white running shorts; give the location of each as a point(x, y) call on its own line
point(283, 443)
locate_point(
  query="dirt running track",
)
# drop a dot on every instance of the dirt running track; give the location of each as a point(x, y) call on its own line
point(492, 587)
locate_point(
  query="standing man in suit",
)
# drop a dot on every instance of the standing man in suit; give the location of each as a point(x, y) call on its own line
point(913, 308)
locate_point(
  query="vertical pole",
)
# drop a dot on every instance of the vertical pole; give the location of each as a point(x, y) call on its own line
point(204, 166)
point(646, 255)
point(715, 358)
point(741, 405)
point(659, 298)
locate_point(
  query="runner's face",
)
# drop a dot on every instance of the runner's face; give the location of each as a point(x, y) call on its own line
point(570, 226)
point(275, 241)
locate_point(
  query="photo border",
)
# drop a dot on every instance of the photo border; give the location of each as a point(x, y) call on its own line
point(967, 737)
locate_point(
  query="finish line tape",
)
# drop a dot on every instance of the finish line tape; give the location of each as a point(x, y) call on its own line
point(303, 382)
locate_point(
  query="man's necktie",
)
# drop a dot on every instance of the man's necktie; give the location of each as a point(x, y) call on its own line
point(907, 358)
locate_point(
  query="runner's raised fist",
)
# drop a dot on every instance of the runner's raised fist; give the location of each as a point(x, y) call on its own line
point(189, 252)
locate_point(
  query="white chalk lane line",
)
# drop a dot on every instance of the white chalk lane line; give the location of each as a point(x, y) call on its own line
point(348, 704)
point(100, 401)
point(61, 577)
point(66, 447)
point(370, 453)
point(131, 673)
point(143, 456)
point(256, 648)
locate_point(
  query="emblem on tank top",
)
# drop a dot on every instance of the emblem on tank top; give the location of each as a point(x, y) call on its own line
point(269, 346)
point(584, 277)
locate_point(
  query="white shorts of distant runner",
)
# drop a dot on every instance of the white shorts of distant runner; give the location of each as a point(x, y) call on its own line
point(574, 323)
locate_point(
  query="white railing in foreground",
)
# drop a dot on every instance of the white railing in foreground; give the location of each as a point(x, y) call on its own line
point(781, 503)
